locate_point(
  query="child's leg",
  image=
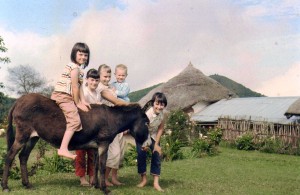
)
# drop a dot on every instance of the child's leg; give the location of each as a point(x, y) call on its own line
point(143, 180)
point(90, 165)
point(141, 164)
point(80, 166)
point(107, 172)
point(63, 150)
point(67, 105)
point(114, 177)
point(120, 148)
point(156, 183)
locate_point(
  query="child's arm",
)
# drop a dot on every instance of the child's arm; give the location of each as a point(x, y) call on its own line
point(76, 90)
point(124, 91)
point(82, 98)
point(158, 136)
point(106, 94)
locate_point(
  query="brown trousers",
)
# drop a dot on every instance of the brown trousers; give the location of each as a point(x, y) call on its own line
point(70, 110)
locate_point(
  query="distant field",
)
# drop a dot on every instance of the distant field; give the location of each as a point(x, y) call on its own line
point(231, 172)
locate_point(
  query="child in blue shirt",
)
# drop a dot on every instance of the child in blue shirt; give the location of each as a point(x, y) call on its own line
point(122, 88)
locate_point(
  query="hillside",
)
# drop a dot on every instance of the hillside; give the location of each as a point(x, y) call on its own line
point(237, 88)
point(135, 96)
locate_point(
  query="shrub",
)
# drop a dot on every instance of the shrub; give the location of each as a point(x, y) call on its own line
point(130, 157)
point(270, 145)
point(179, 124)
point(171, 148)
point(245, 142)
point(203, 147)
point(215, 135)
point(57, 164)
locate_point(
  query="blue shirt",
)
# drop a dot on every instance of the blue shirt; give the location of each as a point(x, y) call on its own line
point(122, 90)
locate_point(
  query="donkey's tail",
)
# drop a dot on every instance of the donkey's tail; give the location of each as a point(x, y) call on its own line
point(10, 136)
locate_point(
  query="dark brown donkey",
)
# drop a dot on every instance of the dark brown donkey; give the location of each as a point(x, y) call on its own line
point(37, 116)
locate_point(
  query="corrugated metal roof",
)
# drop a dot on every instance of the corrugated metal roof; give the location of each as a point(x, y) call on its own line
point(269, 109)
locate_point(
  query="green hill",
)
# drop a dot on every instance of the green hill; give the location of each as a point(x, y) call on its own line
point(137, 95)
point(237, 88)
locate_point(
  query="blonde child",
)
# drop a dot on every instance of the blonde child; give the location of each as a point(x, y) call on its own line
point(116, 148)
point(156, 128)
point(67, 95)
point(122, 88)
point(84, 162)
point(109, 97)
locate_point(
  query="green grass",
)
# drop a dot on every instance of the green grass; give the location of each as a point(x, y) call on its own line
point(230, 172)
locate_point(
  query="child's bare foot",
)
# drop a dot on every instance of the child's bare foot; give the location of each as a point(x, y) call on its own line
point(66, 153)
point(142, 184)
point(107, 183)
point(158, 188)
point(116, 182)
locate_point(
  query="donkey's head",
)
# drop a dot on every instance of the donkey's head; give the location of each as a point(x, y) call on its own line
point(139, 128)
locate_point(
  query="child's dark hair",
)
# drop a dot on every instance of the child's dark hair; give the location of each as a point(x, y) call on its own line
point(82, 47)
point(92, 73)
point(160, 98)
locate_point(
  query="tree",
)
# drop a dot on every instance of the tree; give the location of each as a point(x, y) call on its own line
point(25, 79)
point(3, 59)
point(3, 49)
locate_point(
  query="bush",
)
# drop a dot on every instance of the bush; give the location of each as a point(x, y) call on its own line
point(245, 142)
point(57, 164)
point(171, 148)
point(270, 145)
point(179, 124)
point(203, 147)
point(215, 135)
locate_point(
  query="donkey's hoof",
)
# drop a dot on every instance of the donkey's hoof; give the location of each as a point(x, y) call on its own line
point(29, 186)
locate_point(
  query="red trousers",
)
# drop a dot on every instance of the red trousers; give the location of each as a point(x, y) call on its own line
point(84, 165)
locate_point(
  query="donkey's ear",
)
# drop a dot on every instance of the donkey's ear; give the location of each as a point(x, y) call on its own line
point(147, 106)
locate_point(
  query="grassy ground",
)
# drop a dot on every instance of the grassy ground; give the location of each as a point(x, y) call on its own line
point(230, 172)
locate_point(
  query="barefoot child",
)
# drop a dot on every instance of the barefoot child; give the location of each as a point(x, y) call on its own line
point(109, 98)
point(84, 162)
point(67, 95)
point(156, 128)
point(116, 148)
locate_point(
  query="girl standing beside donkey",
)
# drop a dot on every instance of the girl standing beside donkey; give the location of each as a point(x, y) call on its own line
point(67, 95)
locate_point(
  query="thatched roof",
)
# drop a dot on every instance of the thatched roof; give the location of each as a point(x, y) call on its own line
point(188, 88)
point(294, 109)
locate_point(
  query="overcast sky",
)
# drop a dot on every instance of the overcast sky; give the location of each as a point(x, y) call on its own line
point(255, 43)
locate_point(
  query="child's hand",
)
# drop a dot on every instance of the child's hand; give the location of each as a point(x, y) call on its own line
point(83, 107)
point(87, 105)
point(145, 148)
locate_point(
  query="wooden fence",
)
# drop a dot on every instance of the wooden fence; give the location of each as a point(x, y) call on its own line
point(287, 133)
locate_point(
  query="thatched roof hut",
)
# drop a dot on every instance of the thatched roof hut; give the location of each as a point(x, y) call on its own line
point(294, 109)
point(188, 88)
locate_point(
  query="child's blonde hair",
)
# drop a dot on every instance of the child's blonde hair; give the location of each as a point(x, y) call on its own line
point(121, 66)
point(104, 66)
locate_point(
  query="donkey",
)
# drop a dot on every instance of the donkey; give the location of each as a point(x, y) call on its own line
point(36, 116)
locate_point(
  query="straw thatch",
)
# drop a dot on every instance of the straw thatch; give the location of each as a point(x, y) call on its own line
point(294, 109)
point(188, 88)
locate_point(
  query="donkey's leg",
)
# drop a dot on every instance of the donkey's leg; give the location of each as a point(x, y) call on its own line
point(102, 151)
point(15, 148)
point(96, 169)
point(23, 156)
